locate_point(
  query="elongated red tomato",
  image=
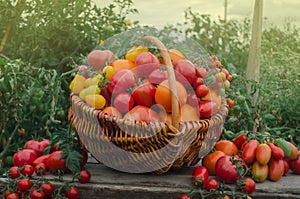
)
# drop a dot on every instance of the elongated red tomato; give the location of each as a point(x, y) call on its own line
point(263, 154)
point(240, 140)
point(277, 152)
point(276, 170)
point(249, 151)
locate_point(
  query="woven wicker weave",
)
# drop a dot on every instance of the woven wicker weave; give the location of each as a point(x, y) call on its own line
point(139, 147)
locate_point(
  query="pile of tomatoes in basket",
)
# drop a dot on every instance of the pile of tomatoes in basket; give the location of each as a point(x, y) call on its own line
point(136, 86)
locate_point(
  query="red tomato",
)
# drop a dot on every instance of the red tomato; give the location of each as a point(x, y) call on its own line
point(83, 159)
point(145, 63)
point(200, 175)
point(185, 196)
point(72, 193)
point(40, 169)
point(24, 184)
point(144, 94)
point(201, 91)
point(210, 160)
point(240, 140)
point(47, 188)
point(276, 169)
point(295, 165)
point(83, 70)
point(249, 151)
point(201, 72)
point(192, 99)
point(6, 193)
point(123, 102)
point(157, 76)
point(106, 93)
point(35, 194)
point(14, 172)
point(97, 59)
point(55, 163)
point(34, 145)
point(211, 183)
point(207, 109)
point(120, 81)
point(142, 113)
point(250, 185)
point(25, 156)
point(225, 71)
point(41, 159)
point(226, 171)
point(259, 172)
point(277, 152)
point(84, 176)
point(13, 196)
point(230, 102)
point(187, 70)
point(286, 166)
point(27, 170)
point(263, 154)
point(197, 82)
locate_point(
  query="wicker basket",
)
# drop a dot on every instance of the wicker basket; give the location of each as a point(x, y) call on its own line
point(140, 147)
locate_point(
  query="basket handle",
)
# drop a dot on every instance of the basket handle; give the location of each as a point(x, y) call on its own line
point(171, 77)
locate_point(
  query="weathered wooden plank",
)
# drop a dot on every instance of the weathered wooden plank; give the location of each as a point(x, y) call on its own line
point(109, 183)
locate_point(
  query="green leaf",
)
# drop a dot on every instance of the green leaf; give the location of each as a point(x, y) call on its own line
point(72, 161)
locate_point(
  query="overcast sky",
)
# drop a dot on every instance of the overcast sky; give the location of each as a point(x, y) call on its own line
point(163, 12)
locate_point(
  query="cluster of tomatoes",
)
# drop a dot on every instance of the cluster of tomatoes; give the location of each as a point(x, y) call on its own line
point(245, 162)
point(30, 162)
point(136, 86)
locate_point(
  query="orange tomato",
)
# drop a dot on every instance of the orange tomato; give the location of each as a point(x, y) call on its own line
point(175, 55)
point(294, 152)
point(120, 64)
point(263, 154)
point(163, 95)
point(227, 147)
point(210, 160)
point(188, 113)
point(112, 111)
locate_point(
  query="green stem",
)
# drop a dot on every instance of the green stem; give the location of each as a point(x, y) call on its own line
point(3, 153)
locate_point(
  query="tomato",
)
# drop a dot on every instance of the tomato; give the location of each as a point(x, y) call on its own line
point(230, 102)
point(37, 146)
point(163, 95)
point(145, 63)
point(277, 152)
point(184, 196)
point(77, 84)
point(226, 171)
point(295, 165)
point(41, 159)
point(294, 152)
point(40, 169)
point(35, 194)
point(47, 188)
point(240, 140)
point(263, 154)
point(225, 71)
point(201, 72)
point(109, 71)
point(72, 193)
point(123, 102)
point(120, 81)
point(188, 113)
point(12, 196)
point(83, 70)
point(210, 160)
point(95, 100)
point(106, 93)
point(207, 109)
point(259, 172)
point(144, 94)
point(187, 70)
point(121, 64)
point(134, 52)
point(97, 59)
point(200, 175)
point(157, 76)
point(276, 169)
point(142, 113)
point(211, 183)
point(249, 151)
point(250, 185)
point(24, 184)
point(6, 193)
point(227, 147)
point(197, 82)
point(27, 170)
point(14, 172)
point(25, 156)
point(226, 85)
point(84, 158)
point(175, 55)
point(84, 176)
point(286, 166)
point(201, 91)
point(192, 99)
point(112, 111)
point(55, 163)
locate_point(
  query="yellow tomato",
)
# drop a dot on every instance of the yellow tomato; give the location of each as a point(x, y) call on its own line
point(93, 89)
point(77, 83)
point(134, 52)
point(109, 72)
point(95, 100)
point(94, 80)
